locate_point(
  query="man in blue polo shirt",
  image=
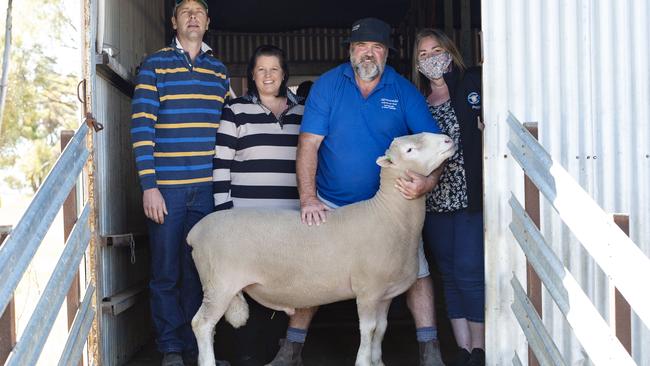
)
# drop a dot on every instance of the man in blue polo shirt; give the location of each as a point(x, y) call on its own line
point(177, 103)
point(352, 114)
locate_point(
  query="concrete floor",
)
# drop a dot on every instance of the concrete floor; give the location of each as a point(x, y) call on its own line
point(329, 346)
point(334, 338)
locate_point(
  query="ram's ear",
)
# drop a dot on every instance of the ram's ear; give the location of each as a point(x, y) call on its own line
point(384, 161)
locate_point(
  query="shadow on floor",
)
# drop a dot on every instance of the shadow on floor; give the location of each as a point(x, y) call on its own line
point(329, 346)
point(334, 338)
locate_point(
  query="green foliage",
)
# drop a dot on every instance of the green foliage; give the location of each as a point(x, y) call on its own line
point(41, 101)
point(37, 163)
point(14, 183)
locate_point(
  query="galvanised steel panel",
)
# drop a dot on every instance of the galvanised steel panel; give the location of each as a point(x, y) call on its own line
point(581, 70)
point(123, 334)
point(120, 198)
point(120, 271)
point(133, 28)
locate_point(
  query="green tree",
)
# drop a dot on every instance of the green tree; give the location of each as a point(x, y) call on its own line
point(37, 163)
point(41, 101)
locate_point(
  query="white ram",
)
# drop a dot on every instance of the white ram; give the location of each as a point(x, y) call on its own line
point(366, 251)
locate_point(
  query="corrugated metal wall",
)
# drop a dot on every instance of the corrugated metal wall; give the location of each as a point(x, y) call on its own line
point(310, 51)
point(581, 69)
point(314, 44)
point(120, 197)
point(132, 29)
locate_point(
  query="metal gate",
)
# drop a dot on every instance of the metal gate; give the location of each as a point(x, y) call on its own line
point(22, 244)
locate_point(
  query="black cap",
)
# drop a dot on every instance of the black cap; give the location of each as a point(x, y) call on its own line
point(370, 30)
point(202, 2)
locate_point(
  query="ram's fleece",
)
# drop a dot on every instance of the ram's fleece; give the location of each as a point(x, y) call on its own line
point(366, 251)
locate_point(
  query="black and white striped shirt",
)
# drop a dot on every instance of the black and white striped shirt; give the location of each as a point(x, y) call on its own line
point(255, 156)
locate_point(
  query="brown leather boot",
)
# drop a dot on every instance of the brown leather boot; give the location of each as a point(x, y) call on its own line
point(288, 355)
point(430, 354)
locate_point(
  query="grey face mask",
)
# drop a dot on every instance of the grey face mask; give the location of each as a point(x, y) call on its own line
point(433, 67)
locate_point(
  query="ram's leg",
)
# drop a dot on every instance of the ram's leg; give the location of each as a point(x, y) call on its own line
point(214, 306)
point(367, 309)
point(380, 330)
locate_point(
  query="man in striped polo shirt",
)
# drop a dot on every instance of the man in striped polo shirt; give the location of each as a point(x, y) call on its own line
point(177, 103)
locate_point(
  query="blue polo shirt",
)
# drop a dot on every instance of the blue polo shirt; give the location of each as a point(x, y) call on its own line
point(357, 131)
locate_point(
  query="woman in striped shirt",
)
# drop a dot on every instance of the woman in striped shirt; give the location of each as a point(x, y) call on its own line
point(255, 166)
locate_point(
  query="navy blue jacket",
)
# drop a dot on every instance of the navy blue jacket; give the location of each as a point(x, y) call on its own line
point(465, 94)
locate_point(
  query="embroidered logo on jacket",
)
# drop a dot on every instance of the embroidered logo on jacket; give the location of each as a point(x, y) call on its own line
point(474, 99)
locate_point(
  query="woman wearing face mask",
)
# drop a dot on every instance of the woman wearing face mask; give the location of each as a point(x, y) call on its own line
point(453, 230)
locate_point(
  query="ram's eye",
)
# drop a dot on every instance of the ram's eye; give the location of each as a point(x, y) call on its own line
point(409, 149)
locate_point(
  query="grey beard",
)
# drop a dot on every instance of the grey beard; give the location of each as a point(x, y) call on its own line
point(366, 71)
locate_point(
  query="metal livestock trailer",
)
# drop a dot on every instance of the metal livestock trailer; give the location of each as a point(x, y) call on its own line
point(524, 54)
point(104, 269)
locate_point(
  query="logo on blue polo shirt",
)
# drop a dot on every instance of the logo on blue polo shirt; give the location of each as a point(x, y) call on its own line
point(389, 103)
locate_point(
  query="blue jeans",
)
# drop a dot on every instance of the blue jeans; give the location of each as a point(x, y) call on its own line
point(456, 241)
point(175, 289)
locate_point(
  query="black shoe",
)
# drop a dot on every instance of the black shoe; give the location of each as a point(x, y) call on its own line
point(172, 359)
point(462, 357)
point(477, 358)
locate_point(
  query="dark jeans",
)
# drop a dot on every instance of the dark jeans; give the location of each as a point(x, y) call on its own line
point(456, 241)
point(175, 289)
